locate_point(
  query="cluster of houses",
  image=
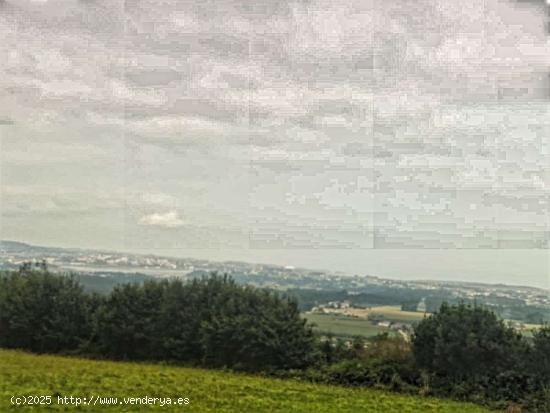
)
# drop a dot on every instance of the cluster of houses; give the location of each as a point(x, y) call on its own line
point(394, 325)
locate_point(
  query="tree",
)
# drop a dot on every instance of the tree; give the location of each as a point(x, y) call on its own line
point(43, 312)
point(126, 325)
point(540, 357)
point(212, 321)
point(254, 330)
point(468, 351)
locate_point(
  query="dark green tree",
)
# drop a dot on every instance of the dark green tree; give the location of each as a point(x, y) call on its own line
point(253, 329)
point(470, 353)
point(466, 341)
point(127, 325)
point(43, 312)
point(540, 356)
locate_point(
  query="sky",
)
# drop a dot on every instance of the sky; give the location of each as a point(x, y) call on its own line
point(408, 139)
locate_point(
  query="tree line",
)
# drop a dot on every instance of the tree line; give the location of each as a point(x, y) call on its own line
point(462, 351)
point(210, 321)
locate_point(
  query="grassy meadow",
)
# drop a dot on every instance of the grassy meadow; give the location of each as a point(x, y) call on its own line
point(208, 391)
point(355, 322)
point(393, 313)
point(387, 312)
point(343, 325)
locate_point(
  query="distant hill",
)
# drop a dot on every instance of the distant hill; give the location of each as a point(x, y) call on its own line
point(14, 246)
point(101, 270)
point(105, 282)
point(208, 391)
point(67, 258)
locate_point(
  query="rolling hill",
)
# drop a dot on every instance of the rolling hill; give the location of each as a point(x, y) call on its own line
point(98, 382)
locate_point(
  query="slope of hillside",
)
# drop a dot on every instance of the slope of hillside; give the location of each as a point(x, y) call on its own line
point(23, 374)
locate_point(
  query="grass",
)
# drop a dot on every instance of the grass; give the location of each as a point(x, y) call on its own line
point(208, 391)
point(354, 321)
point(342, 325)
point(394, 313)
point(387, 312)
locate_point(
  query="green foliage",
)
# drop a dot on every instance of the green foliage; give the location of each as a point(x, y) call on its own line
point(470, 354)
point(540, 356)
point(104, 282)
point(372, 296)
point(463, 342)
point(127, 323)
point(384, 362)
point(212, 321)
point(249, 328)
point(42, 312)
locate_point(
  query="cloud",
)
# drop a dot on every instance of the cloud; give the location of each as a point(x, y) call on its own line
point(313, 108)
point(164, 220)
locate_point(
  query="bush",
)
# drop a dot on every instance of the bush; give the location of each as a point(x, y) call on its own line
point(469, 354)
point(42, 312)
point(539, 361)
point(212, 321)
point(464, 342)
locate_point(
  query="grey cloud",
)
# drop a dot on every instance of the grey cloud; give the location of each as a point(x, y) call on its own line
point(154, 77)
point(175, 97)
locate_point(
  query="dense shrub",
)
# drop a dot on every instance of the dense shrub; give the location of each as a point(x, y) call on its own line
point(470, 354)
point(539, 361)
point(127, 325)
point(42, 312)
point(211, 321)
point(384, 362)
point(463, 342)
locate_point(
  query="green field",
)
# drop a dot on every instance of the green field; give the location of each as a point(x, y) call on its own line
point(208, 391)
point(394, 313)
point(342, 325)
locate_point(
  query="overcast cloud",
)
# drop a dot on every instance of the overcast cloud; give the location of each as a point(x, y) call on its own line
point(257, 127)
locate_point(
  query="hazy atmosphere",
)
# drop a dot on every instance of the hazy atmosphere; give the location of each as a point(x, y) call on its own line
point(357, 136)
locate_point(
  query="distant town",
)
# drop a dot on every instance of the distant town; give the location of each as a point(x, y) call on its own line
point(13, 254)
